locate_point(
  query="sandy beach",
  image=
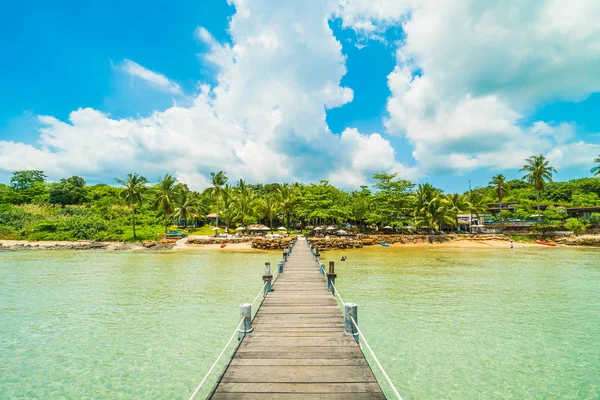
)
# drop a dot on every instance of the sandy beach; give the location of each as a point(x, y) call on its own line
point(181, 245)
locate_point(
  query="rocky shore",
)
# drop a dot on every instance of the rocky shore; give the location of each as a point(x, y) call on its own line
point(331, 243)
point(584, 240)
point(271, 244)
point(15, 245)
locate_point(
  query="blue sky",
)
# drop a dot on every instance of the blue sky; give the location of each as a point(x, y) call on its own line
point(277, 92)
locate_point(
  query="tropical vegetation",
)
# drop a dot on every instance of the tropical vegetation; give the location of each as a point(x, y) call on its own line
point(70, 209)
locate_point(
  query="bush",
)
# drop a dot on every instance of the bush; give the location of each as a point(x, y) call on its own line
point(575, 225)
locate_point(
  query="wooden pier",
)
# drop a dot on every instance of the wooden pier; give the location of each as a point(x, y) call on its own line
point(298, 348)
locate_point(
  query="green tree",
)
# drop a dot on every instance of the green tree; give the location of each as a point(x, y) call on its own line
point(268, 207)
point(288, 199)
point(500, 186)
point(392, 200)
point(68, 191)
point(476, 203)
point(431, 208)
point(243, 200)
point(218, 180)
point(456, 204)
point(186, 207)
point(596, 169)
point(575, 225)
point(25, 179)
point(165, 196)
point(133, 193)
point(539, 171)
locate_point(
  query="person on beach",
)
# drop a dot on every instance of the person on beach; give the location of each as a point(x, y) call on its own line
point(512, 244)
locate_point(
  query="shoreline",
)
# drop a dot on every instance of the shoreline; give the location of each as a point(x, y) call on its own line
point(246, 247)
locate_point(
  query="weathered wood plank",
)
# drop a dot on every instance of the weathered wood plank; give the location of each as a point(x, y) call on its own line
point(298, 373)
point(295, 396)
point(299, 361)
point(306, 388)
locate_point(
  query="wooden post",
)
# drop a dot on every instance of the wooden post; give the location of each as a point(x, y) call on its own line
point(280, 265)
point(322, 269)
point(331, 275)
point(246, 327)
point(285, 254)
point(267, 278)
point(317, 254)
point(351, 309)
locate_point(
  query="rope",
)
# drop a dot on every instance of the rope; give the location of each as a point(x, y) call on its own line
point(218, 358)
point(259, 293)
point(338, 293)
point(389, 381)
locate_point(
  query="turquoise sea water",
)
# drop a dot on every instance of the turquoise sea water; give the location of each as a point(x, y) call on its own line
point(452, 324)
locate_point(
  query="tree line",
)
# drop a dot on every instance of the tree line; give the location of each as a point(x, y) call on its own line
point(70, 209)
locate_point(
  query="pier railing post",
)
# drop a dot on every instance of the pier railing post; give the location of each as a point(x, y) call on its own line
point(285, 254)
point(351, 309)
point(317, 254)
point(246, 327)
point(331, 275)
point(280, 265)
point(322, 269)
point(267, 278)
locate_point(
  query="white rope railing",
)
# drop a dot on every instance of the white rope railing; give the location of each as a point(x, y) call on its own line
point(338, 293)
point(362, 337)
point(217, 360)
point(262, 289)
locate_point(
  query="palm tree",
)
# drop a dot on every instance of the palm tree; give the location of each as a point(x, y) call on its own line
point(596, 169)
point(476, 203)
point(132, 194)
point(166, 194)
point(456, 204)
point(499, 183)
point(538, 171)
point(244, 199)
point(218, 180)
point(288, 196)
point(186, 207)
point(269, 207)
point(430, 208)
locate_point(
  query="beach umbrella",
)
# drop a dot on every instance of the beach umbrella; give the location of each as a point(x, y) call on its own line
point(330, 228)
point(318, 228)
point(341, 232)
point(240, 228)
point(255, 228)
point(281, 228)
point(387, 227)
point(215, 228)
point(264, 228)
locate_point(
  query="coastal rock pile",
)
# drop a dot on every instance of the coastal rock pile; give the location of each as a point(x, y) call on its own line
point(271, 244)
point(217, 240)
point(56, 246)
point(585, 240)
point(333, 242)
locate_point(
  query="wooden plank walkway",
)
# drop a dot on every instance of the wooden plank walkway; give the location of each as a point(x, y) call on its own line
point(298, 348)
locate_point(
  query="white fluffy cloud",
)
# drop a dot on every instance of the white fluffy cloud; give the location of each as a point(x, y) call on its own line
point(264, 120)
point(470, 72)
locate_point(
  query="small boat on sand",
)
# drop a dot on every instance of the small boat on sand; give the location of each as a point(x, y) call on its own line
point(545, 243)
point(223, 244)
point(384, 244)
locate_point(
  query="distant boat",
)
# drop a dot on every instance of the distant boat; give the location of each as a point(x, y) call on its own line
point(546, 243)
point(223, 244)
point(384, 244)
